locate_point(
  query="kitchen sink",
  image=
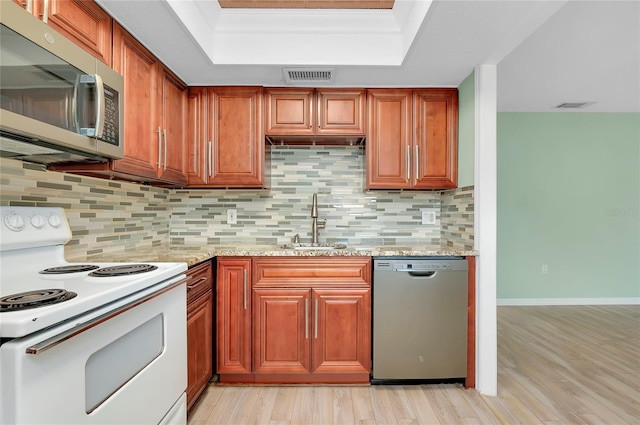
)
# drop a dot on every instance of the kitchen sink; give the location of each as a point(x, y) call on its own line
point(314, 247)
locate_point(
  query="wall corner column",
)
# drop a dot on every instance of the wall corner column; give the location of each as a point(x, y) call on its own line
point(485, 223)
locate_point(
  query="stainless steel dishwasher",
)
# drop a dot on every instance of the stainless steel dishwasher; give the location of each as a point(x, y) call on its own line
point(419, 319)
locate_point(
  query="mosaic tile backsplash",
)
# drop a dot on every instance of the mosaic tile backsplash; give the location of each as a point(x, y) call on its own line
point(336, 174)
point(108, 216)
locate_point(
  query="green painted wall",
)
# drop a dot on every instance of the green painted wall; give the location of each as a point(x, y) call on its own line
point(568, 197)
point(466, 131)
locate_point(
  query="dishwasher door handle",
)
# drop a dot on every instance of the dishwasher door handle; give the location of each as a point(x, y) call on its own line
point(414, 273)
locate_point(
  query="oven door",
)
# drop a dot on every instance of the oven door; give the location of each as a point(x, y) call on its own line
point(121, 364)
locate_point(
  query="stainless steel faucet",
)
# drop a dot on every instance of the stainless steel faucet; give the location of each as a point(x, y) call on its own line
point(315, 225)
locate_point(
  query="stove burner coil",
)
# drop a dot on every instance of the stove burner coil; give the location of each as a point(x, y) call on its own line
point(74, 268)
point(34, 299)
point(123, 270)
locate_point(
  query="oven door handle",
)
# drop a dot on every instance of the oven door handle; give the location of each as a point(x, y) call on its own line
point(82, 327)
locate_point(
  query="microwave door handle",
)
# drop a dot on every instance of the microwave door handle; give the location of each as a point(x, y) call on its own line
point(100, 109)
point(74, 106)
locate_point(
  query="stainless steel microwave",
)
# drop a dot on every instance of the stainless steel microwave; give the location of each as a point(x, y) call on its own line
point(58, 103)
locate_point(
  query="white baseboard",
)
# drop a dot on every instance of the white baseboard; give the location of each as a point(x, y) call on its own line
point(567, 301)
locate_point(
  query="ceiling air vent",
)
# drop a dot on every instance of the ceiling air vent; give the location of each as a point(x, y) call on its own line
point(573, 105)
point(308, 75)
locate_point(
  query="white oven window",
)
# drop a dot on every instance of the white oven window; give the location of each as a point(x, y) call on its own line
point(111, 367)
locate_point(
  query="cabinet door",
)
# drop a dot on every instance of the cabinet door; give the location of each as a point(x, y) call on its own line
point(233, 308)
point(281, 339)
point(341, 112)
point(81, 21)
point(198, 144)
point(235, 123)
point(199, 346)
point(141, 137)
point(173, 122)
point(435, 117)
point(289, 112)
point(388, 139)
point(341, 331)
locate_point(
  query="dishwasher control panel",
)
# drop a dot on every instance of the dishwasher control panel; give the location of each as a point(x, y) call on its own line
point(418, 264)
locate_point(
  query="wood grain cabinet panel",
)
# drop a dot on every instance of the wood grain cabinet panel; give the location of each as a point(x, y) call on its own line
point(412, 139)
point(233, 310)
point(199, 330)
point(81, 21)
point(388, 139)
point(312, 319)
point(341, 331)
point(155, 107)
point(226, 138)
point(172, 125)
point(341, 112)
point(289, 112)
point(435, 138)
point(281, 331)
point(298, 112)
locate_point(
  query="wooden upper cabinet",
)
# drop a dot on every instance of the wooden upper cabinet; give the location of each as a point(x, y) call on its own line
point(198, 144)
point(341, 112)
point(435, 138)
point(296, 112)
point(226, 138)
point(172, 125)
point(412, 139)
point(81, 21)
point(142, 140)
point(388, 139)
point(155, 121)
point(289, 112)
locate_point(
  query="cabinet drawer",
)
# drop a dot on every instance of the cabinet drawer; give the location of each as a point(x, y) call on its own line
point(311, 271)
point(199, 281)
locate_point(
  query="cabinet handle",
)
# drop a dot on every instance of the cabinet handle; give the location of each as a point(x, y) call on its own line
point(417, 163)
point(408, 163)
point(164, 134)
point(210, 161)
point(29, 6)
point(159, 147)
point(194, 284)
point(45, 12)
point(316, 321)
point(245, 288)
point(306, 318)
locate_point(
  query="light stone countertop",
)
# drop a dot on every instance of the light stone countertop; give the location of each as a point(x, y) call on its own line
point(193, 255)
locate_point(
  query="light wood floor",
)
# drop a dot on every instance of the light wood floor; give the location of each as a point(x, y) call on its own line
point(556, 365)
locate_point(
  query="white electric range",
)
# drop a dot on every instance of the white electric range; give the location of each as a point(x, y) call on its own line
point(86, 342)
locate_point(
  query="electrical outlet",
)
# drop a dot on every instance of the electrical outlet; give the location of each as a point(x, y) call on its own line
point(428, 217)
point(545, 269)
point(232, 216)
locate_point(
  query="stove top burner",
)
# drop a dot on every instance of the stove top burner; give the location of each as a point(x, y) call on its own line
point(123, 270)
point(74, 268)
point(34, 299)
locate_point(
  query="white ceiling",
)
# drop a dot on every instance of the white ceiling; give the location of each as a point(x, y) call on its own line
point(547, 51)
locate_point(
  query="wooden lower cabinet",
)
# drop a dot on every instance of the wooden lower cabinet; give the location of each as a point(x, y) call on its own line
point(199, 330)
point(233, 310)
point(310, 320)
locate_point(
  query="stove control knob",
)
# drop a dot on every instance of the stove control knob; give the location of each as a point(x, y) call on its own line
point(37, 221)
point(14, 222)
point(55, 221)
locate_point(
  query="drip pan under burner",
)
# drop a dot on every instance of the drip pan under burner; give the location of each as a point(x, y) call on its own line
point(123, 270)
point(74, 268)
point(34, 299)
